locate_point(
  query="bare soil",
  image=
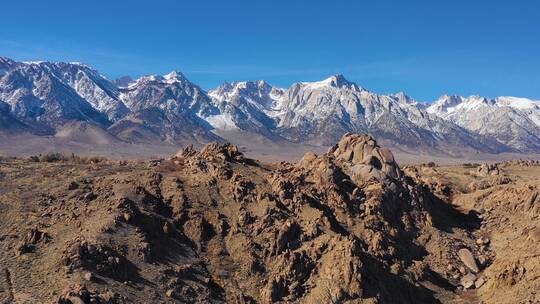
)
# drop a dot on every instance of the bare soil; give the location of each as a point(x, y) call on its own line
point(213, 226)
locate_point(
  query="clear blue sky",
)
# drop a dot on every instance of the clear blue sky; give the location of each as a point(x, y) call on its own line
point(425, 48)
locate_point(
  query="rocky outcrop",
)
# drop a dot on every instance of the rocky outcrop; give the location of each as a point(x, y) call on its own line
point(364, 159)
point(213, 226)
point(487, 169)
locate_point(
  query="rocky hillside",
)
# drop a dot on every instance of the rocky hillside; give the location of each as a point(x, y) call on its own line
point(212, 226)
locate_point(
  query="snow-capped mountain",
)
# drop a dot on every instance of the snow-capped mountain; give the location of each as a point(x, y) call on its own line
point(321, 112)
point(167, 108)
point(171, 92)
point(95, 88)
point(45, 97)
point(85, 81)
point(246, 105)
point(36, 93)
point(512, 121)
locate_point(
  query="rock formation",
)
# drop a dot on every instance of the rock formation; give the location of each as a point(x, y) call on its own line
point(213, 226)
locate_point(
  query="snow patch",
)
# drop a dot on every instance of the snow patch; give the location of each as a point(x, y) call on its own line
point(517, 103)
point(320, 84)
point(221, 121)
point(34, 62)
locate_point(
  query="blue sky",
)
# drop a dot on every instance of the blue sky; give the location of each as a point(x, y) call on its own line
point(424, 48)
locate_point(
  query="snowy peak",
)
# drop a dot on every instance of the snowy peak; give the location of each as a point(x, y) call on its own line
point(246, 86)
point(337, 81)
point(64, 69)
point(517, 103)
point(510, 120)
point(224, 88)
point(254, 91)
point(60, 90)
point(450, 104)
point(444, 104)
point(173, 77)
point(403, 98)
point(246, 105)
point(171, 93)
point(477, 101)
point(92, 86)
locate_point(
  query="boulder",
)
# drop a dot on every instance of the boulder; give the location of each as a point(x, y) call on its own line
point(467, 281)
point(466, 256)
point(365, 158)
point(478, 283)
point(308, 158)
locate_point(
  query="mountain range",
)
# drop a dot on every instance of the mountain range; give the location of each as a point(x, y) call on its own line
point(50, 99)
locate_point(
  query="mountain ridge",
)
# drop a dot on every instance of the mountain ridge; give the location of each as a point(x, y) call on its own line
point(170, 108)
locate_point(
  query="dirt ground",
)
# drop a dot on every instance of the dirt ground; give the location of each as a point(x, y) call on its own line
point(213, 226)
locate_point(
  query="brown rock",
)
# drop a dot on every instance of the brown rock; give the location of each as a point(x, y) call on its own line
point(466, 256)
point(478, 283)
point(482, 260)
point(467, 281)
point(362, 153)
point(482, 241)
point(308, 158)
point(386, 155)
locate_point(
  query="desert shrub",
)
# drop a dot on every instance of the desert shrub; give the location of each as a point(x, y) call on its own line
point(34, 158)
point(431, 164)
point(470, 165)
point(52, 157)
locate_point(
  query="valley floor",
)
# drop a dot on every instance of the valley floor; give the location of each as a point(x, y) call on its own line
point(253, 146)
